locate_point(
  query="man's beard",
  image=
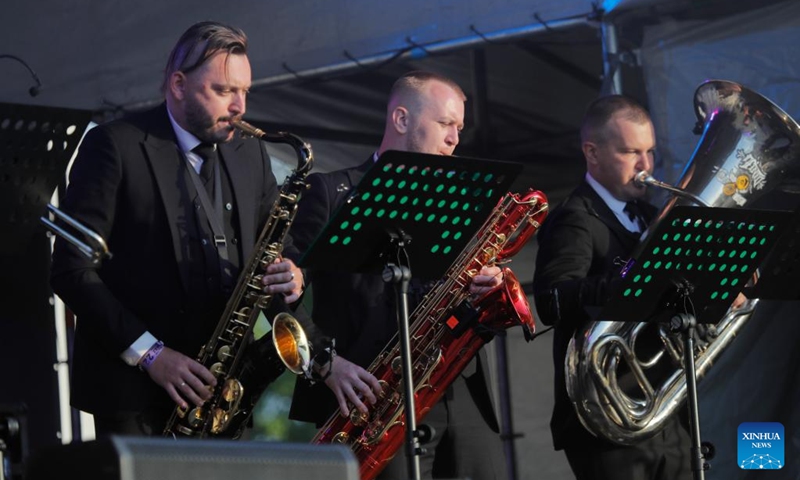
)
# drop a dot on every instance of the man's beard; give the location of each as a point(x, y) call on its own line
point(202, 125)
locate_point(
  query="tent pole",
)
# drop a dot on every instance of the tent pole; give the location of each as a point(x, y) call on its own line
point(611, 71)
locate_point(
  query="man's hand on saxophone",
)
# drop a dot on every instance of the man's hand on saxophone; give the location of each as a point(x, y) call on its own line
point(284, 277)
point(487, 279)
point(351, 384)
point(184, 378)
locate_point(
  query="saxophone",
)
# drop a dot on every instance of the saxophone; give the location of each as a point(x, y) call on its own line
point(440, 354)
point(244, 368)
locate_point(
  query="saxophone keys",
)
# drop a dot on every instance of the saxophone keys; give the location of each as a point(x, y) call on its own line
point(357, 418)
point(219, 421)
point(233, 391)
point(373, 432)
point(341, 437)
point(397, 366)
point(384, 389)
point(218, 369)
point(184, 431)
point(195, 418)
point(224, 353)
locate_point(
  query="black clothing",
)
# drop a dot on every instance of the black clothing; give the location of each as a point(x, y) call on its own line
point(582, 246)
point(358, 311)
point(130, 184)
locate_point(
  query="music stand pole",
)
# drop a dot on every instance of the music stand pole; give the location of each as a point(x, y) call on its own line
point(400, 276)
point(686, 324)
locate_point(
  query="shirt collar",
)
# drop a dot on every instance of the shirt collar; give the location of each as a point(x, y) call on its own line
point(616, 206)
point(186, 141)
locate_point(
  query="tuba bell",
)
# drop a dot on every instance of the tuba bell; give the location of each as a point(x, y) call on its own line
point(747, 157)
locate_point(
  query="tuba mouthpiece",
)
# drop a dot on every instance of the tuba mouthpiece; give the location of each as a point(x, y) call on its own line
point(643, 178)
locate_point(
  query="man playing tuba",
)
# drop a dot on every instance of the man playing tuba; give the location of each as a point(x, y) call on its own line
point(581, 247)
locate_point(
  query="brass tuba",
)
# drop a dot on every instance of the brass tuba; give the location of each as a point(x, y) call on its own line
point(243, 367)
point(748, 157)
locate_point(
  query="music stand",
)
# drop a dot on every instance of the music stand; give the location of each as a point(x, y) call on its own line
point(410, 207)
point(688, 271)
point(36, 145)
point(780, 271)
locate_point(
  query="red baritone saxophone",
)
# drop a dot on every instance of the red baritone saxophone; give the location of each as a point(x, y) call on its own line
point(446, 331)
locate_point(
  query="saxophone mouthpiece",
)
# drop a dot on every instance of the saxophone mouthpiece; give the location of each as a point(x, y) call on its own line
point(246, 128)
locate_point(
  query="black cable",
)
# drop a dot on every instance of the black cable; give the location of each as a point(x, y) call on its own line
point(34, 90)
point(540, 20)
point(290, 70)
point(417, 45)
point(480, 34)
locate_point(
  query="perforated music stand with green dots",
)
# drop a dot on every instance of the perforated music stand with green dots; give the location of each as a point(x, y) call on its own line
point(438, 201)
point(411, 214)
point(712, 252)
point(689, 271)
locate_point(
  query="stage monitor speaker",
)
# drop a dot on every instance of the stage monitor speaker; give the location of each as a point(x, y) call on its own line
point(148, 458)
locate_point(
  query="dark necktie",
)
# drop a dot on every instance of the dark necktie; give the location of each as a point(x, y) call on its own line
point(635, 213)
point(208, 152)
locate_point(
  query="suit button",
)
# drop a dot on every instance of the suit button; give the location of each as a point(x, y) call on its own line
point(204, 241)
point(235, 241)
point(228, 207)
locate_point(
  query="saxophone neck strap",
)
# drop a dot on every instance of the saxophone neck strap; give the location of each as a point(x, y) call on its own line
point(214, 215)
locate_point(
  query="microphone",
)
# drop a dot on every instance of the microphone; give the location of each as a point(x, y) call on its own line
point(34, 90)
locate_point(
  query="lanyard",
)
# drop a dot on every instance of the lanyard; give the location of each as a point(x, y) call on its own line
point(213, 213)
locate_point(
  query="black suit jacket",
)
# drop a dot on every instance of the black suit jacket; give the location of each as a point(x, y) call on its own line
point(354, 308)
point(582, 247)
point(129, 184)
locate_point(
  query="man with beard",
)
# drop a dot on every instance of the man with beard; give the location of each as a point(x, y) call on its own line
point(425, 114)
point(181, 201)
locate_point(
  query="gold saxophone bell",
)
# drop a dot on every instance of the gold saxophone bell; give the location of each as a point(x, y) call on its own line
point(291, 343)
point(747, 157)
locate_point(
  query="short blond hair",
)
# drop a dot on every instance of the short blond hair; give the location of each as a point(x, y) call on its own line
point(600, 112)
point(414, 82)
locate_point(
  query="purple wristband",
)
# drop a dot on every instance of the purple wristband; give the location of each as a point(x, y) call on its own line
point(149, 357)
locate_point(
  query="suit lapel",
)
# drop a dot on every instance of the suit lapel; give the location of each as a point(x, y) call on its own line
point(243, 184)
point(598, 208)
point(354, 176)
point(167, 165)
